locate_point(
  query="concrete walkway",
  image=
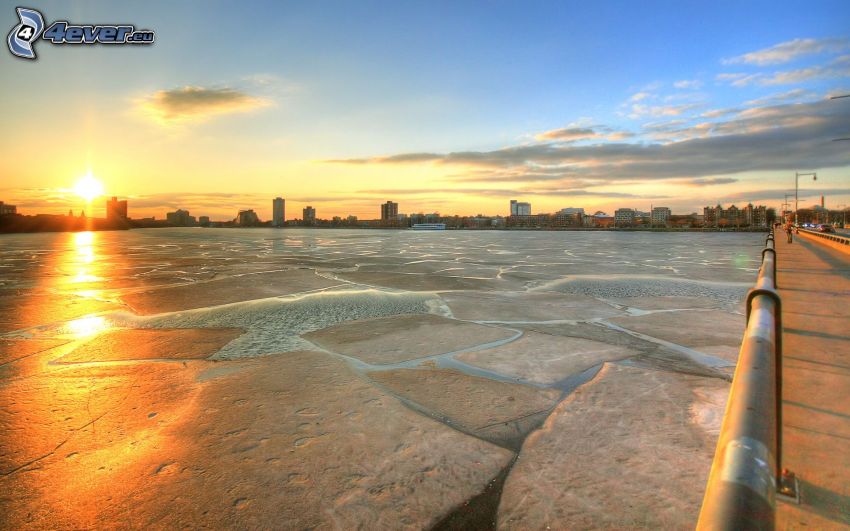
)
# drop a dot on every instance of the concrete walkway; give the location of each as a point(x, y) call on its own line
point(814, 283)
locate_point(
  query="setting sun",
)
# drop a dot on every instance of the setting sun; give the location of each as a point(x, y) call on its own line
point(88, 188)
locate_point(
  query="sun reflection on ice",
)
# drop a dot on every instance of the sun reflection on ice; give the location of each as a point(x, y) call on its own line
point(87, 326)
point(83, 262)
point(84, 238)
point(84, 259)
point(84, 244)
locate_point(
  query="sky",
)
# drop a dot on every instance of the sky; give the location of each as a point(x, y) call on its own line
point(452, 107)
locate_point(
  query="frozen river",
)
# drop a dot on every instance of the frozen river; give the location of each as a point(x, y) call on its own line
point(338, 378)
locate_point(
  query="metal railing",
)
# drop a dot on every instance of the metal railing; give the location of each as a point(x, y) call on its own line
point(747, 470)
point(844, 240)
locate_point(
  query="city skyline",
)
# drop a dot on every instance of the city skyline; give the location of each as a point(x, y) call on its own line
point(387, 211)
point(444, 107)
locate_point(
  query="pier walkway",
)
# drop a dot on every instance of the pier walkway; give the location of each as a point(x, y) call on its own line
point(814, 284)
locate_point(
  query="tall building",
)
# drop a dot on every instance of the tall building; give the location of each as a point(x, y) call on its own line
point(760, 216)
point(389, 211)
point(520, 208)
point(204, 221)
point(116, 209)
point(624, 217)
point(309, 214)
point(7, 209)
point(180, 218)
point(660, 215)
point(278, 212)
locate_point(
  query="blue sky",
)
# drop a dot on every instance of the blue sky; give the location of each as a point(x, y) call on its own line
point(450, 106)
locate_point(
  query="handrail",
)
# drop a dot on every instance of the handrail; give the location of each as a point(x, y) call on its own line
point(747, 468)
point(828, 236)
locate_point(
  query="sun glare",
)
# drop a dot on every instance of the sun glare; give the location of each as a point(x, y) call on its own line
point(88, 188)
point(87, 326)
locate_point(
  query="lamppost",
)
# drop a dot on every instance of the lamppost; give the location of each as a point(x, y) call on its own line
point(797, 193)
point(787, 204)
point(844, 215)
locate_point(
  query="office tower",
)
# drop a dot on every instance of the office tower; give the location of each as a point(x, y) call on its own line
point(116, 209)
point(389, 211)
point(278, 212)
point(660, 215)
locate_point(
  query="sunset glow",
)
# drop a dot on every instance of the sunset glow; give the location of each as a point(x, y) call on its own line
point(88, 188)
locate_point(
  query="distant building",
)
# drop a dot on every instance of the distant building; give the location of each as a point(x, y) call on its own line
point(624, 217)
point(684, 221)
point(180, 218)
point(571, 211)
point(7, 209)
point(309, 215)
point(543, 220)
point(116, 209)
point(749, 216)
point(278, 212)
point(520, 208)
point(756, 216)
point(660, 216)
point(204, 221)
point(247, 218)
point(389, 211)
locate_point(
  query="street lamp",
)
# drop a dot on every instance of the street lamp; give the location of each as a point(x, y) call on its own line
point(787, 204)
point(797, 193)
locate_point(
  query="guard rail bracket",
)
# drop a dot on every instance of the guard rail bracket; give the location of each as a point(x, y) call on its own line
point(789, 487)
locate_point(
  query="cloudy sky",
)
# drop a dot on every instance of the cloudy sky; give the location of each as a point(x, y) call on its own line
point(453, 107)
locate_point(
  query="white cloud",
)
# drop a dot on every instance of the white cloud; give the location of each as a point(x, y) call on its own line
point(717, 113)
point(640, 96)
point(790, 50)
point(688, 84)
point(834, 70)
point(640, 110)
point(783, 97)
point(730, 76)
point(748, 80)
